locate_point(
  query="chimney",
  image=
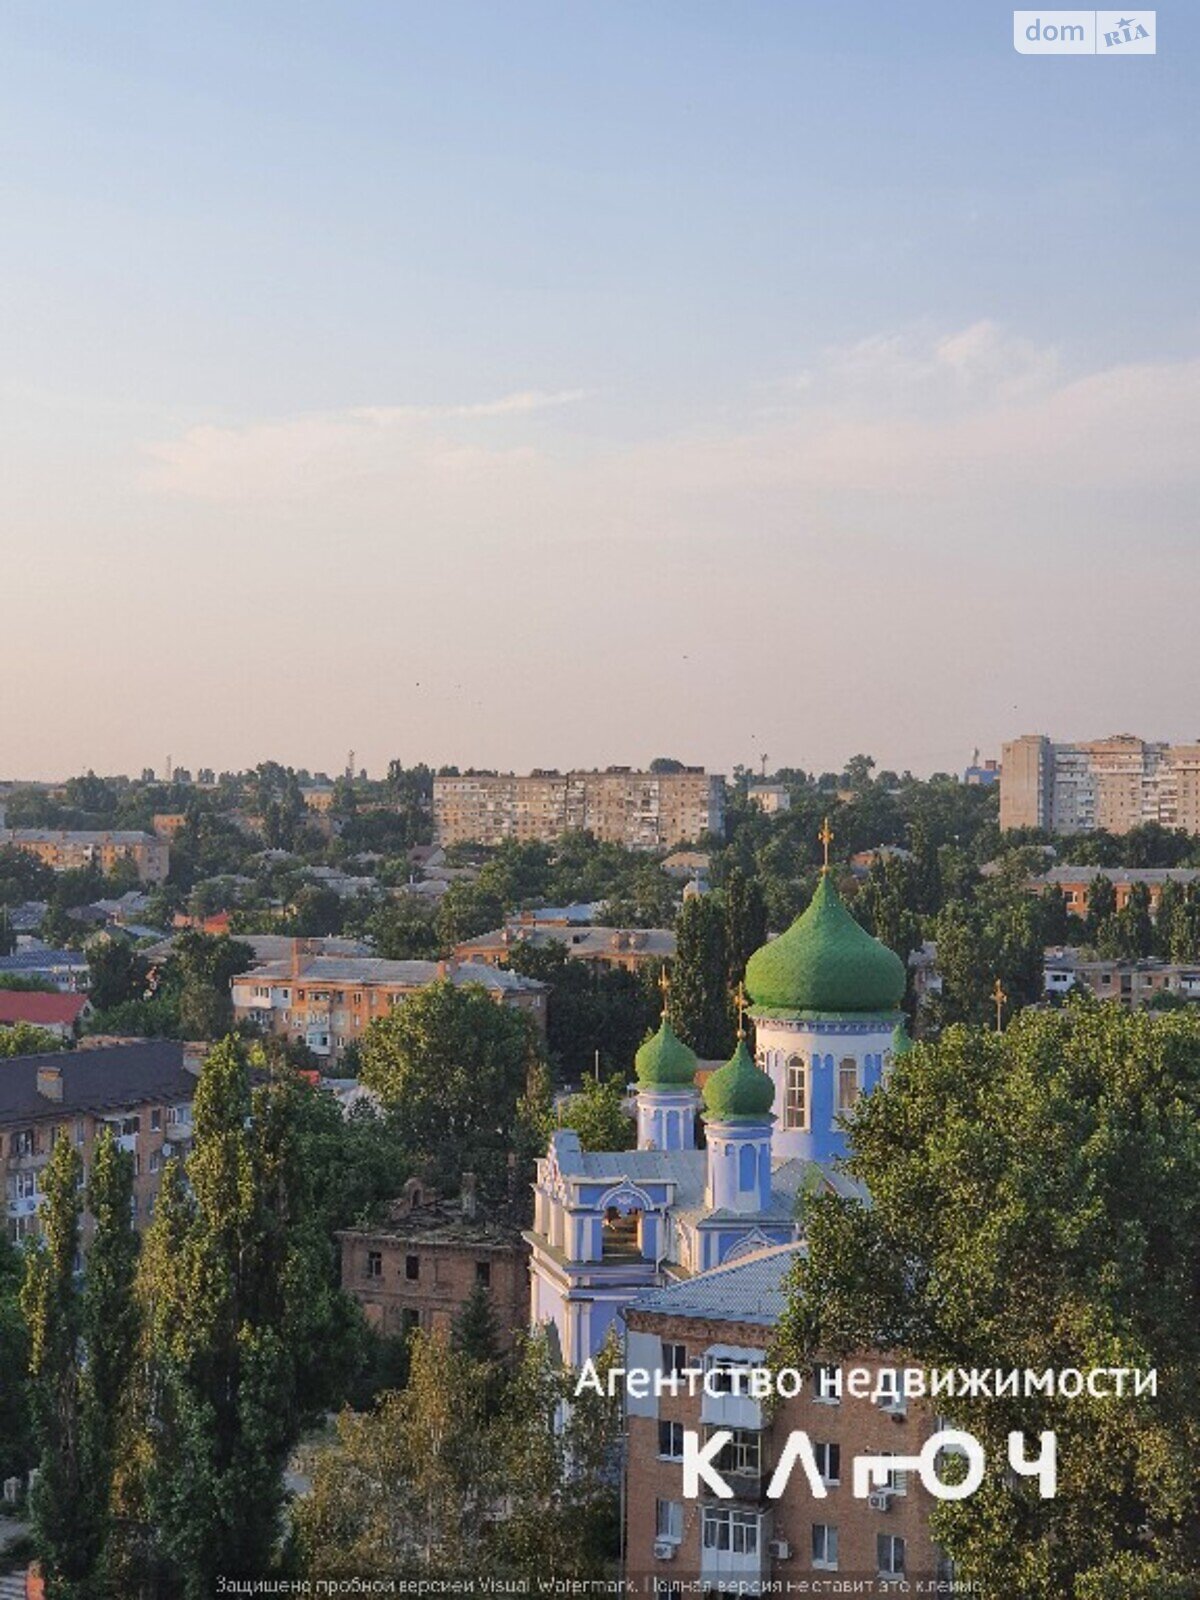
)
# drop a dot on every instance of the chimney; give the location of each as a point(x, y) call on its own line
point(468, 1196)
point(50, 1083)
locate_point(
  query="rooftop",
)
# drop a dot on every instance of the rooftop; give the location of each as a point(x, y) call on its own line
point(98, 1081)
point(752, 1289)
point(75, 836)
point(374, 969)
point(41, 1010)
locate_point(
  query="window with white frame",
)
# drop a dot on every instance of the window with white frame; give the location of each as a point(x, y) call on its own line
point(825, 1546)
point(674, 1359)
point(889, 1555)
point(726, 1529)
point(727, 1375)
point(847, 1085)
point(829, 1462)
point(887, 1393)
point(897, 1481)
point(742, 1456)
point(668, 1520)
point(795, 1100)
point(670, 1440)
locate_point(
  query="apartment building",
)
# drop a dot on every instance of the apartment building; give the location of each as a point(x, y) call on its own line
point(67, 848)
point(1133, 984)
point(1116, 784)
point(630, 948)
point(418, 1267)
point(641, 810)
point(327, 1002)
point(142, 1092)
point(718, 1322)
point(1076, 883)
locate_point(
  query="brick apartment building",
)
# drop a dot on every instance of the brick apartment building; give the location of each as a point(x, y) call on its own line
point(67, 848)
point(1116, 784)
point(642, 810)
point(328, 1001)
point(1076, 883)
point(142, 1091)
point(630, 948)
point(724, 1319)
point(418, 1268)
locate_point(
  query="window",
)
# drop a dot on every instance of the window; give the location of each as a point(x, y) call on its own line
point(897, 1481)
point(80, 1133)
point(155, 1160)
point(156, 1120)
point(889, 1555)
point(483, 1273)
point(24, 1143)
point(735, 1531)
point(674, 1359)
point(742, 1456)
point(827, 1387)
point(374, 1263)
point(410, 1320)
point(670, 1440)
point(412, 1268)
point(829, 1462)
point(889, 1397)
point(724, 1373)
point(825, 1546)
point(847, 1085)
point(795, 1103)
point(668, 1520)
point(26, 1185)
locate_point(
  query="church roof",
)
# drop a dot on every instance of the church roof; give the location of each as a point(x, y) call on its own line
point(739, 1091)
point(751, 1289)
point(664, 1061)
point(825, 963)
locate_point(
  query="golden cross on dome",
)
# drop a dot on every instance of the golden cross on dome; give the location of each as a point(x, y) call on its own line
point(739, 999)
point(999, 999)
point(826, 838)
point(664, 984)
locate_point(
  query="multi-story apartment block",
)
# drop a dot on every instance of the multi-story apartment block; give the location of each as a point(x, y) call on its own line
point(142, 1092)
point(1116, 784)
point(65, 848)
point(722, 1322)
point(327, 1002)
point(417, 1268)
point(1133, 984)
point(1076, 883)
point(642, 810)
point(629, 948)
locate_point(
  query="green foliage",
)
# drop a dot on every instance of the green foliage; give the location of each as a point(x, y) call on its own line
point(598, 1116)
point(23, 1039)
point(117, 973)
point(1036, 1203)
point(16, 1444)
point(451, 1066)
point(700, 1007)
point(591, 1007)
point(467, 910)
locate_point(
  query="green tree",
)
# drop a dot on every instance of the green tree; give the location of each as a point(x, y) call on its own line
point(452, 1065)
point(23, 1039)
point(64, 1506)
point(598, 1116)
point(700, 1006)
point(16, 1445)
point(1036, 1204)
point(745, 923)
point(200, 970)
point(1129, 933)
point(465, 911)
point(117, 973)
point(1102, 905)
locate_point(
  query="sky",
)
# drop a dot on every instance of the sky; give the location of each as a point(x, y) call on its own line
point(566, 383)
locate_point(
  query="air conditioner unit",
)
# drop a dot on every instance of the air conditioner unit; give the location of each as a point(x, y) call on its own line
point(778, 1549)
point(664, 1549)
point(881, 1500)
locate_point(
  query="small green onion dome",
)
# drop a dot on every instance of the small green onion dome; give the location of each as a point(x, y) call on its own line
point(825, 963)
point(901, 1043)
point(664, 1061)
point(739, 1091)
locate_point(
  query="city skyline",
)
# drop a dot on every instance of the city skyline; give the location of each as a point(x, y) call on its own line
point(536, 388)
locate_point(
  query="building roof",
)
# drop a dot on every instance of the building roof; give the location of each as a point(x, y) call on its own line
point(664, 1061)
point(825, 963)
point(102, 1080)
point(751, 1289)
point(75, 836)
point(41, 1010)
point(578, 940)
point(1118, 875)
point(42, 959)
point(350, 970)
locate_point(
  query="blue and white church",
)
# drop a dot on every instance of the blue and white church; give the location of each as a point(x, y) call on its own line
point(825, 1000)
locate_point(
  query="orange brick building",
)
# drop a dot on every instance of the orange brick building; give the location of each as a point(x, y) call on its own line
point(66, 848)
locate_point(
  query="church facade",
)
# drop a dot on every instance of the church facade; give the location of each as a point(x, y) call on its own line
point(610, 1225)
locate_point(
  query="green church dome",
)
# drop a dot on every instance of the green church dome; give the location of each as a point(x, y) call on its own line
point(739, 1091)
point(664, 1061)
point(825, 963)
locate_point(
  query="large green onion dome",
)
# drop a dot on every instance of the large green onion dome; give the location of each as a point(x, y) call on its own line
point(739, 1091)
point(664, 1061)
point(825, 963)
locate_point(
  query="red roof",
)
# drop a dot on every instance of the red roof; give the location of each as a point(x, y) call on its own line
point(42, 1010)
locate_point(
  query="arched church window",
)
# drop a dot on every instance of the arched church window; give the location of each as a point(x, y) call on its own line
point(795, 1101)
point(847, 1085)
point(747, 1168)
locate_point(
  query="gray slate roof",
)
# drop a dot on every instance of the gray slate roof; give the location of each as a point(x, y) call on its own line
point(749, 1290)
point(106, 1079)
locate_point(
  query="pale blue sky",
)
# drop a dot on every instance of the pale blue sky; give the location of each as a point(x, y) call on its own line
point(546, 383)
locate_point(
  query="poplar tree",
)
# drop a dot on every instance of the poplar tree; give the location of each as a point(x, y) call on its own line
point(745, 923)
point(700, 1008)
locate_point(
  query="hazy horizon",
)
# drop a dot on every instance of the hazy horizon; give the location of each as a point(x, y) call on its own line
point(543, 386)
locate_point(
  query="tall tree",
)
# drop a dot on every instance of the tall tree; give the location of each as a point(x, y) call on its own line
point(1102, 904)
point(63, 1504)
point(700, 1006)
point(745, 923)
point(16, 1446)
point(1036, 1204)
